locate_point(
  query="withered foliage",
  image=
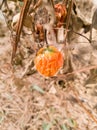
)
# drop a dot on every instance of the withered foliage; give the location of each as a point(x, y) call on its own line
point(67, 100)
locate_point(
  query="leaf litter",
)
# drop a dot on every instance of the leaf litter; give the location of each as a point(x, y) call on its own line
point(33, 102)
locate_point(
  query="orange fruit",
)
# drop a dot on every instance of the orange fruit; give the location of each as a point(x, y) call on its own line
point(48, 61)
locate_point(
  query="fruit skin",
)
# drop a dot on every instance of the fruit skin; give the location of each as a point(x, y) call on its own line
point(48, 61)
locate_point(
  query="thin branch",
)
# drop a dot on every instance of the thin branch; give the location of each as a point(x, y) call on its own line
point(52, 3)
point(89, 40)
point(68, 18)
point(81, 104)
point(65, 2)
point(23, 15)
point(91, 33)
point(8, 25)
point(45, 33)
point(65, 76)
point(3, 2)
point(35, 6)
point(77, 33)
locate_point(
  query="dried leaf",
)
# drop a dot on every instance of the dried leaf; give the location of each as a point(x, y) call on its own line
point(60, 12)
point(18, 82)
point(40, 31)
point(27, 21)
point(53, 90)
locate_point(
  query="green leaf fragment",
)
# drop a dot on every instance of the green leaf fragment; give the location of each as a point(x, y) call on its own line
point(64, 127)
point(37, 88)
point(1, 117)
point(72, 123)
point(21, 3)
point(46, 126)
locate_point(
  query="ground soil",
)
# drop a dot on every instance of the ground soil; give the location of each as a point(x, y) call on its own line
point(29, 101)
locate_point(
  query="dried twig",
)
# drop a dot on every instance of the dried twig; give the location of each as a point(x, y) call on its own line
point(75, 33)
point(23, 15)
point(89, 40)
point(46, 38)
point(4, 2)
point(35, 6)
point(82, 105)
point(68, 18)
point(65, 76)
point(91, 34)
point(52, 3)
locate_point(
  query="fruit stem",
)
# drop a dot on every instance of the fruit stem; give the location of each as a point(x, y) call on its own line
point(46, 38)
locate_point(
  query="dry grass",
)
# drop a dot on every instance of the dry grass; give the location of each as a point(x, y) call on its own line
point(35, 103)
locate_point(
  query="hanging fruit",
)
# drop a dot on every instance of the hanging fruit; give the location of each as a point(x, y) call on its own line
point(48, 61)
